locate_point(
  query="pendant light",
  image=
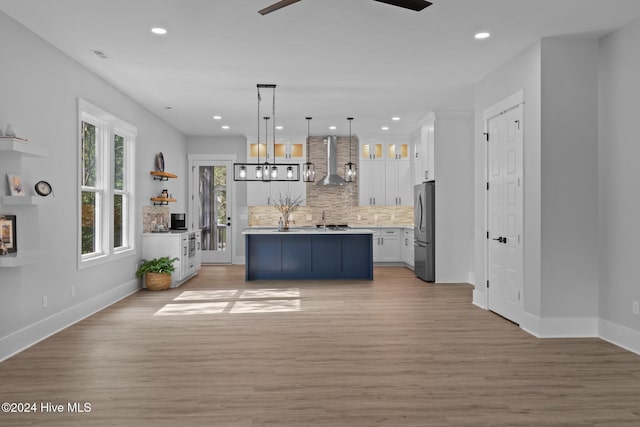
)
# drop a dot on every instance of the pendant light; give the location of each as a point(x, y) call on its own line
point(308, 169)
point(266, 171)
point(274, 168)
point(350, 169)
point(266, 175)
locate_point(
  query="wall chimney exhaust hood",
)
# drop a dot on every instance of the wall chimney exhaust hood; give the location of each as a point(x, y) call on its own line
point(332, 177)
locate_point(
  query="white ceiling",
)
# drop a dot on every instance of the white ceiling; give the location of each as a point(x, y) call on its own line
point(330, 58)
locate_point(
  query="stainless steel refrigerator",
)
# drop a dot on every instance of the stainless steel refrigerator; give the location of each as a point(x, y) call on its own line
point(424, 220)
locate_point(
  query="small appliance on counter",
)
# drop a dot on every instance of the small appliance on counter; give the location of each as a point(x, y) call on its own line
point(178, 221)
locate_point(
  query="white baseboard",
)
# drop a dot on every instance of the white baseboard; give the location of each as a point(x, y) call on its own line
point(560, 327)
point(479, 299)
point(619, 335)
point(44, 328)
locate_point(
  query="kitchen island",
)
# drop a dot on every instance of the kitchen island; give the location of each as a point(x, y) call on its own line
point(308, 254)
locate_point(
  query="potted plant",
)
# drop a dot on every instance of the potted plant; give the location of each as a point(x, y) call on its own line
point(157, 273)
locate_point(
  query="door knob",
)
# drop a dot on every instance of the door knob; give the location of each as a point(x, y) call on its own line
point(500, 239)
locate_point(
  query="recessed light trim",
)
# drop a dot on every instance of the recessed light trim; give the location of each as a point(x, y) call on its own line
point(279, 127)
point(225, 127)
point(217, 117)
point(395, 119)
point(482, 35)
point(332, 128)
point(385, 128)
point(159, 31)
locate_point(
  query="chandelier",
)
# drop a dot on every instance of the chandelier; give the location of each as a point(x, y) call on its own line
point(266, 171)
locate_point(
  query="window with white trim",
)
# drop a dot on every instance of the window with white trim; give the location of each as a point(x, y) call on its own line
point(106, 207)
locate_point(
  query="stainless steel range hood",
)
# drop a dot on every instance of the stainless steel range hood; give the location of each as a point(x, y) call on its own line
point(332, 177)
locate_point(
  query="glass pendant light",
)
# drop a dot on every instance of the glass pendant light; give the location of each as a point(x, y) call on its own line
point(308, 169)
point(274, 168)
point(243, 171)
point(266, 175)
point(350, 169)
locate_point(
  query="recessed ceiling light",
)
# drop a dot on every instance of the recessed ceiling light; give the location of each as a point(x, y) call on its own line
point(225, 127)
point(385, 128)
point(482, 35)
point(332, 127)
point(217, 117)
point(395, 119)
point(279, 127)
point(159, 30)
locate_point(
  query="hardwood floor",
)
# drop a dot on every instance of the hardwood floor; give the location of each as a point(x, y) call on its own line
point(393, 352)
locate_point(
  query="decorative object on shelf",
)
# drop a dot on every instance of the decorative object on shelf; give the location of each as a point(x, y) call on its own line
point(266, 171)
point(350, 169)
point(43, 188)
point(8, 234)
point(308, 169)
point(165, 193)
point(15, 185)
point(160, 162)
point(287, 205)
point(9, 131)
point(157, 273)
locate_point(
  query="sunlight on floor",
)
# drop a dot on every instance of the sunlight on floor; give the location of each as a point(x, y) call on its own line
point(233, 301)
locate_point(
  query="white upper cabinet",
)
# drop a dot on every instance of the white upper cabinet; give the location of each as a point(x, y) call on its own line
point(290, 151)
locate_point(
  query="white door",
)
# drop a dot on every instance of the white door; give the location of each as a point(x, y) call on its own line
point(211, 208)
point(505, 211)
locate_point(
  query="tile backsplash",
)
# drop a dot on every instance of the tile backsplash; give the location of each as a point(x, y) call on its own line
point(268, 216)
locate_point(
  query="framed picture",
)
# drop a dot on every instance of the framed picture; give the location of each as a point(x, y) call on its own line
point(15, 185)
point(8, 241)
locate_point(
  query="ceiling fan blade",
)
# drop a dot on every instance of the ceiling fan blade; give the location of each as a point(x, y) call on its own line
point(416, 5)
point(277, 6)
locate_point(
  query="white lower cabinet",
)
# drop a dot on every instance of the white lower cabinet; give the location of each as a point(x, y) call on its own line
point(386, 245)
point(184, 245)
point(407, 247)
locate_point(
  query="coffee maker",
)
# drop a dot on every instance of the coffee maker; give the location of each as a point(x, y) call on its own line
point(178, 221)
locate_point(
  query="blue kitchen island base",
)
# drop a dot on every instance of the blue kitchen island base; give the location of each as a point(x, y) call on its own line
point(301, 256)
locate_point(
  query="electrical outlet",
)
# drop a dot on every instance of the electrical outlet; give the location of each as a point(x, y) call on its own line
point(375, 217)
point(45, 301)
point(635, 307)
point(393, 217)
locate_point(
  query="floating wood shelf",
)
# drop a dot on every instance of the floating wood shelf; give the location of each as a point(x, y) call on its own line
point(162, 176)
point(160, 201)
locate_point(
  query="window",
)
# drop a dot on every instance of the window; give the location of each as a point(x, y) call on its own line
point(105, 186)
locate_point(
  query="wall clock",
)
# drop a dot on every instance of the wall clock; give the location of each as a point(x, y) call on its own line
point(43, 188)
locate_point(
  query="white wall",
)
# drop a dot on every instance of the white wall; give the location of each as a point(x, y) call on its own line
point(229, 145)
point(521, 73)
point(453, 154)
point(40, 88)
point(618, 184)
point(569, 209)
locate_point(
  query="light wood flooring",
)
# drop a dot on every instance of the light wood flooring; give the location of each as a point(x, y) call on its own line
point(392, 352)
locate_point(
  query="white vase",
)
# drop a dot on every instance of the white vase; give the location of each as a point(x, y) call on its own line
point(9, 131)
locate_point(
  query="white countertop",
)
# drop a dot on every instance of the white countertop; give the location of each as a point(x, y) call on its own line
point(307, 230)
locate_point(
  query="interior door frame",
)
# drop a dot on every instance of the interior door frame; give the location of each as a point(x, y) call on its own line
point(231, 185)
point(513, 101)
